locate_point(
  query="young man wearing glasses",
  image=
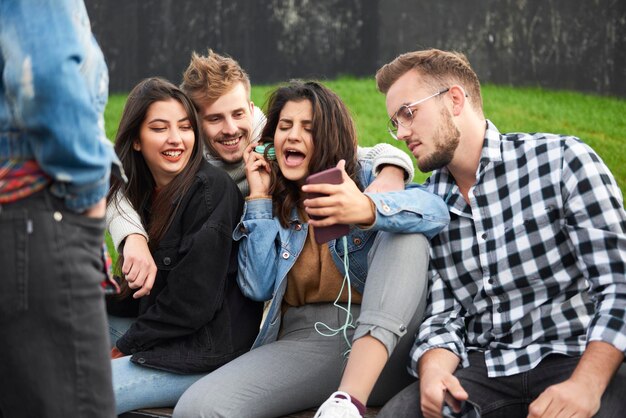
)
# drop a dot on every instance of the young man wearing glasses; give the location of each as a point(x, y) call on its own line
point(527, 302)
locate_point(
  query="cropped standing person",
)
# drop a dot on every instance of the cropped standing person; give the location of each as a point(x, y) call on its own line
point(55, 164)
point(526, 313)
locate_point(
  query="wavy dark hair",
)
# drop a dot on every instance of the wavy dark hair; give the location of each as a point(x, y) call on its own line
point(334, 139)
point(156, 213)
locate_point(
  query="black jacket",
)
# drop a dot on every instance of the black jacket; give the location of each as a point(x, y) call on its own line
point(196, 318)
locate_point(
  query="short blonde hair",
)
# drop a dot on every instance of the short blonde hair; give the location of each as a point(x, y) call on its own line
point(209, 77)
point(438, 68)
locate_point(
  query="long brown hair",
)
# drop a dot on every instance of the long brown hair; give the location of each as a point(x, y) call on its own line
point(156, 213)
point(334, 138)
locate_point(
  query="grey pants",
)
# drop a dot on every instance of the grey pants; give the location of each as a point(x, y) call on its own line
point(509, 396)
point(54, 354)
point(302, 368)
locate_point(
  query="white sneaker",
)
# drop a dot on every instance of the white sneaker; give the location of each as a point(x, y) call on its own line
point(335, 407)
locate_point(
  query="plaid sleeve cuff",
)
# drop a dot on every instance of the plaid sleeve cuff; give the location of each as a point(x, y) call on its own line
point(419, 349)
point(610, 329)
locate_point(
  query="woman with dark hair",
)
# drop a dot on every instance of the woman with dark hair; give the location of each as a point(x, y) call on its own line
point(376, 273)
point(195, 319)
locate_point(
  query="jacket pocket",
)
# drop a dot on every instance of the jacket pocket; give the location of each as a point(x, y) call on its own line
point(14, 261)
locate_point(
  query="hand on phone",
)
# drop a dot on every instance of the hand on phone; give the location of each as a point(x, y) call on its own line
point(342, 202)
point(326, 233)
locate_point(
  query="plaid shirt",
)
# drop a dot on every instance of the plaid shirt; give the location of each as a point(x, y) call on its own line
point(535, 264)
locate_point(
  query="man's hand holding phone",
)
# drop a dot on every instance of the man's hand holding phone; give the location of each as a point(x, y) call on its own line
point(437, 383)
point(339, 203)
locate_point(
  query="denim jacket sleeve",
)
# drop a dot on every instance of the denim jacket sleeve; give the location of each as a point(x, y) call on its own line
point(412, 210)
point(56, 87)
point(258, 233)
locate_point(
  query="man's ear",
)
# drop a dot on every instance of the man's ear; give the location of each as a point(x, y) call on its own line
point(136, 145)
point(251, 107)
point(458, 95)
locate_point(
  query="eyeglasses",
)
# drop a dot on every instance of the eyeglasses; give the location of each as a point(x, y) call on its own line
point(404, 115)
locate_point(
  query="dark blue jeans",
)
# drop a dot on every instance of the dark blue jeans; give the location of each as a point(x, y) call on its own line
point(510, 396)
point(54, 351)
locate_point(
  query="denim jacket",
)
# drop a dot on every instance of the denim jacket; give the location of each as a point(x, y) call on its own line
point(268, 251)
point(53, 91)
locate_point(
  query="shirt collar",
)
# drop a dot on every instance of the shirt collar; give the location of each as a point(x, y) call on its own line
point(492, 146)
point(443, 184)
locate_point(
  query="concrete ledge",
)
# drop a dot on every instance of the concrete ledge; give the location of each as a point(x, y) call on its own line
point(167, 412)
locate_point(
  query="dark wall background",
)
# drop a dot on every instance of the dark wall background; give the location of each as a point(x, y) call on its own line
point(551, 43)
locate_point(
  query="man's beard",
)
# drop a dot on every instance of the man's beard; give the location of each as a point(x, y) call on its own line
point(445, 140)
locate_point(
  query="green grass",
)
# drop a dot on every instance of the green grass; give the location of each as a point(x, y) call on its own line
point(598, 121)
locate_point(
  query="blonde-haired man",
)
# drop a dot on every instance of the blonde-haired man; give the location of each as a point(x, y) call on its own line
point(220, 89)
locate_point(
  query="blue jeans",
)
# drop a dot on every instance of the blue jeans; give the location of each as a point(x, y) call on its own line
point(54, 357)
point(138, 387)
point(510, 396)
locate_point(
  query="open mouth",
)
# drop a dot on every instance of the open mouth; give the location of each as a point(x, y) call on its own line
point(294, 158)
point(230, 142)
point(172, 155)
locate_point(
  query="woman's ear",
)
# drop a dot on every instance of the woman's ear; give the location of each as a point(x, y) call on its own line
point(136, 145)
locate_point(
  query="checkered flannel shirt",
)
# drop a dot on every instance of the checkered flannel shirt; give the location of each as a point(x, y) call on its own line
point(535, 264)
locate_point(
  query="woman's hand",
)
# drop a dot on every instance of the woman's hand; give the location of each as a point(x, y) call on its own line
point(139, 268)
point(343, 204)
point(257, 172)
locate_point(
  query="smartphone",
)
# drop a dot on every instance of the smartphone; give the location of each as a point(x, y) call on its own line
point(327, 233)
